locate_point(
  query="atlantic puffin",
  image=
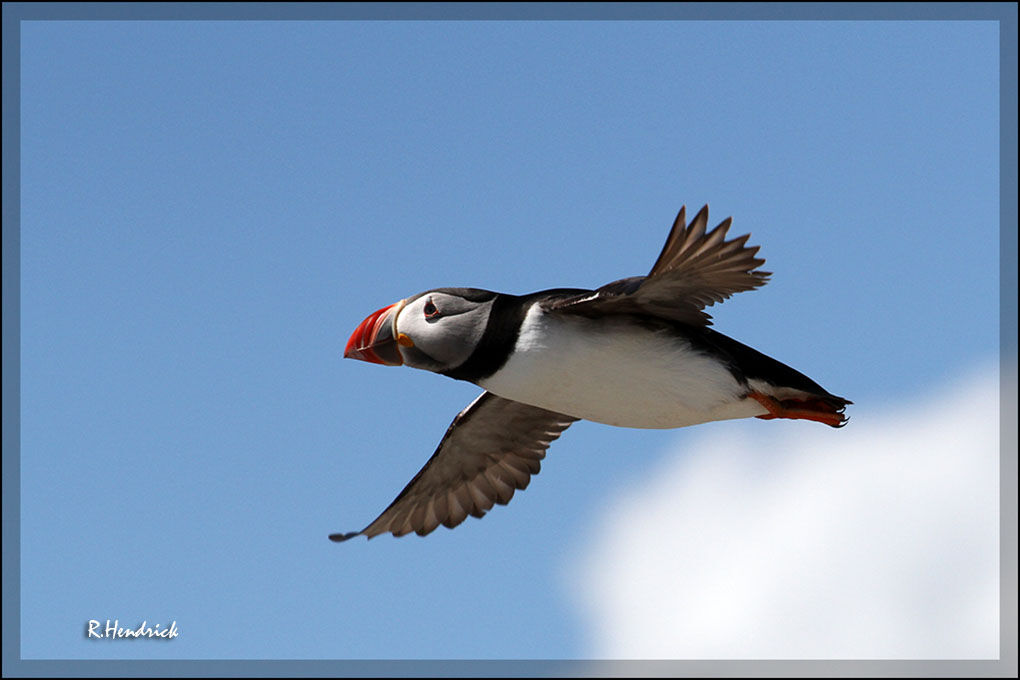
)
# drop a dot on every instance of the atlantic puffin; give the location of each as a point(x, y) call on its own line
point(637, 352)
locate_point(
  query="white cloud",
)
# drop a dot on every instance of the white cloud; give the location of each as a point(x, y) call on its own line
point(791, 540)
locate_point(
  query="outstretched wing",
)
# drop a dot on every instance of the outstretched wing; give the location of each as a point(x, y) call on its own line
point(695, 269)
point(490, 450)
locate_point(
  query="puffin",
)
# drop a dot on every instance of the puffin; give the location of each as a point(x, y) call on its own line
point(637, 352)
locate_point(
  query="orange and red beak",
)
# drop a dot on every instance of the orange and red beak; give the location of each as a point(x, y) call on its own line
point(375, 339)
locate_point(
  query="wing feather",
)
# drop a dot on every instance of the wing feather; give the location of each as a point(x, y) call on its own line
point(489, 451)
point(456, 512)
point(695, 269)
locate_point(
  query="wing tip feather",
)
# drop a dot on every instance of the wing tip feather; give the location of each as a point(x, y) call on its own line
point(340, 538)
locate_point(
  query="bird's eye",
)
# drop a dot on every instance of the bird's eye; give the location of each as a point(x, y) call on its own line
point(431, 311)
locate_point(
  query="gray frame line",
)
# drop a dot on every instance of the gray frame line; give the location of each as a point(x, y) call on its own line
point(15, 13)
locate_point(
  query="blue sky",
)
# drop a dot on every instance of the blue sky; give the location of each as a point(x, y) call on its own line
point(210, 208)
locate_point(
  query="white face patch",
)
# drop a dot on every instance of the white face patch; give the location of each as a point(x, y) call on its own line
point(444, 329)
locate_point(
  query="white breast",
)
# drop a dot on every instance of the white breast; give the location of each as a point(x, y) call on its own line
point(612, 371)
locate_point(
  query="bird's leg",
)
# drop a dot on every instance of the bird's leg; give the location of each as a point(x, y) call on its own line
point(799, 409)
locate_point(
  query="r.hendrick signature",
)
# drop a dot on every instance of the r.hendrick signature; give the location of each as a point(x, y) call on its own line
point(113, 631)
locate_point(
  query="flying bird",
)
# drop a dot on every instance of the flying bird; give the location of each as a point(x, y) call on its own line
point(637, 352)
